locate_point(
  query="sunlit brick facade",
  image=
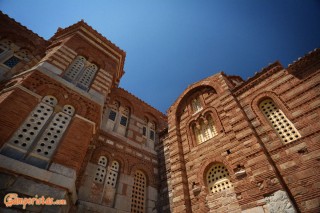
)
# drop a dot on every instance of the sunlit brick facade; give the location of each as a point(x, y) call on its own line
point(68, 131)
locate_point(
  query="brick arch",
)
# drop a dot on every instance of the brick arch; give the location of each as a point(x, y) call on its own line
point(90, 53)
point(276, 99)
point(152, 118)
point(54, 90)
point(206, 165)
point(147, 170)
point(123, 162)
point(78, 102)
point(64, 97)
point(193, 88)
point(100, 151)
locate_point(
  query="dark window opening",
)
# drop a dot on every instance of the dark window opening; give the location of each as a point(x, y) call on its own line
point(112, 115)
point(123, 121)
point(11, 62)
point(151, 135)
point(144, 131)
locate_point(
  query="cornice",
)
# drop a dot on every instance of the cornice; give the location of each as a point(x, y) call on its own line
point(308, 60)
point(258, 77)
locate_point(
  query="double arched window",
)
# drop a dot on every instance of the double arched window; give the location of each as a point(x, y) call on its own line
point(284, 128)
point(81, 73)
point(39, 135)
point(138, 193)
point(111, 172)
point(218, 178)
point(149, 129)
point(118, 118)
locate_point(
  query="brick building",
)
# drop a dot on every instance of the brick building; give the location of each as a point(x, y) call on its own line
point(68, 131)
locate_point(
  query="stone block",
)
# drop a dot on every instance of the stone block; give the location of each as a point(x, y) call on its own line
point(313, 203)
point(258, 209)
point(122, 203)
point(152, 193)
point(63, 170)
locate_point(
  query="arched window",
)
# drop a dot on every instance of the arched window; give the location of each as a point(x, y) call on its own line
point(196, 105)
point(39, 135)
point(113, 110)
point(87, 76)
point(81, 73)
point(144, 127)
point(285, 129)
point(113, 174)
point(218, 178)
point(204, 129)
point(138, 193)
point(102, 161)
point(75, 68)
point(152, 127)
point(124, 116)
point(101, 170)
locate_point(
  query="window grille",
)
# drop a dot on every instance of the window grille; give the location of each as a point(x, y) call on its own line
point(30, 128)
point(52, 135)
point(279, 121)
point(205, 130)
point(87, 76)
point(218, 178)
point(23, 54)
point(11, 62)
point(75, 68)
point(101, 170)
point(138, 193)
point(113, 174)
point(100, 174)
point(102, 161)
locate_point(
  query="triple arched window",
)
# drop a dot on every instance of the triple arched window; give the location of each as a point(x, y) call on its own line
point(218, 178)
point(81, 73)
point(138, 192)
point(36, 140)
point(204, 129)
point(284, 128)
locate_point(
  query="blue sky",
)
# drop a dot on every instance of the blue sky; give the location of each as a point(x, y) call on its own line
point(172, 44)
